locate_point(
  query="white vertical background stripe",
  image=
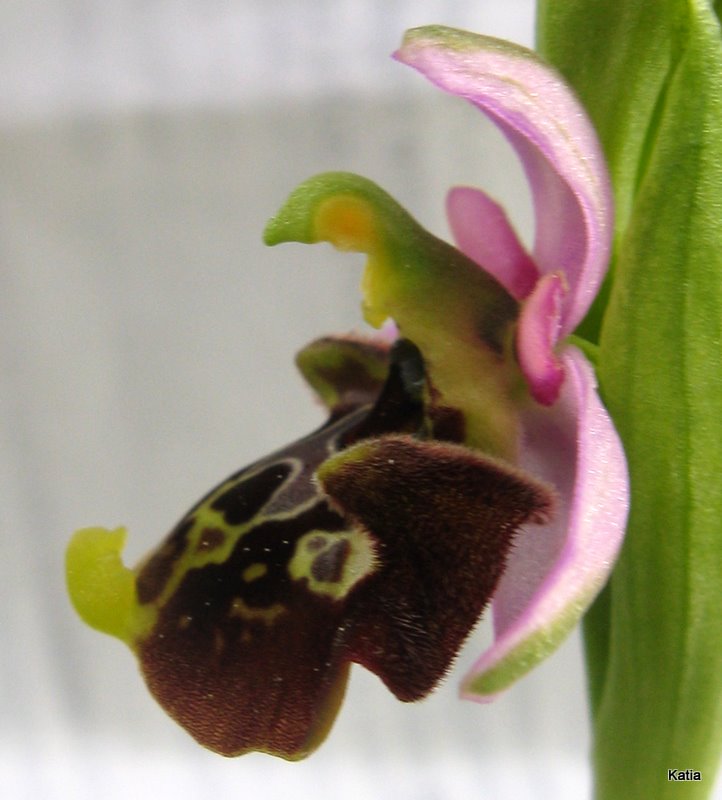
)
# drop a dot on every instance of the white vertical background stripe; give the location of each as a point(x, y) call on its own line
point(72, 56)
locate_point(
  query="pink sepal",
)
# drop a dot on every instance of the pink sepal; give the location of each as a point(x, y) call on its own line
point(556, 570)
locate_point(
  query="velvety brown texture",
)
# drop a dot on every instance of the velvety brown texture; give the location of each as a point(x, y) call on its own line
point(444, 517)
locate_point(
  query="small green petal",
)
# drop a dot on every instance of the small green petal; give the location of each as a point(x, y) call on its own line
point(343, 371)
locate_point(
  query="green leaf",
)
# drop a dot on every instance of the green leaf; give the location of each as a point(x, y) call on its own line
point(656, 639)
point(621, 91)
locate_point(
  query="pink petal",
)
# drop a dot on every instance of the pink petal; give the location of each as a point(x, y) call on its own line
point(556, 570)
point(482, 232)
point(549, 129)
point(538, 332)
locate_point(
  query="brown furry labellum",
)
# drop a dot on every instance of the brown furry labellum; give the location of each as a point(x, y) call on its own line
point(369, 541)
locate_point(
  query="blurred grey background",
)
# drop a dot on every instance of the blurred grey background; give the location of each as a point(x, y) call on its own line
point(146, 346)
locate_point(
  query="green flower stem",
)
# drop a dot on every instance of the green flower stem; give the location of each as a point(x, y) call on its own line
point(654, 639)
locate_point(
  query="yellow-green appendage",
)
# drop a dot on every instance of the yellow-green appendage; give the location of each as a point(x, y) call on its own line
point(101, 587)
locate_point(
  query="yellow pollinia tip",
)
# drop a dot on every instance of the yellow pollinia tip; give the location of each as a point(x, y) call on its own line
point(101, 587)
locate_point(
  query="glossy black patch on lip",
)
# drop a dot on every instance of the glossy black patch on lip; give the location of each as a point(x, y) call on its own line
point(399, 408)
point(243, 501)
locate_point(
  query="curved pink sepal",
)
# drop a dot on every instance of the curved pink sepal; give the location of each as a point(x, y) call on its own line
point(482, 231)
point(553, 137)
point(537, 335)
point(556, 570)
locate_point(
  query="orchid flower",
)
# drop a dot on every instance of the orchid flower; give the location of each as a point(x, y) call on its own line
point(470, 462)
